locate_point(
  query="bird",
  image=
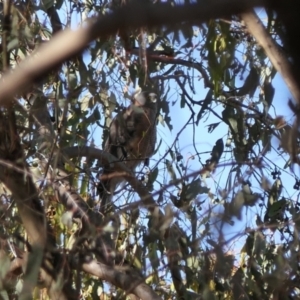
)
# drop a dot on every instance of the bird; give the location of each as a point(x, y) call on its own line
point(131, 139)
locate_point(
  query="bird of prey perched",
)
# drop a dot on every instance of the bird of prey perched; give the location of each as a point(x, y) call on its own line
point(131, 139)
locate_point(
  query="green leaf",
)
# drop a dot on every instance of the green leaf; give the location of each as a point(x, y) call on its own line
point(58, 4)
point(34, 262)
point(259, 244)
point(96, 114)
point(67, 219)
point(229, 117)
point(190, 191)
point(275, 191)
point(84, 185)
point(171, 170)
point(250, 84)
point(236, 205)
point(13, 44)
point(165, 108)
point(133, 72)
point(248, 246)
point(5, 264)
point(4, 295)
point(206, 102)
point(153, 175)
point(208, 294)
point(250, 198)
point(276, 209)
point(217, 151)
point(72, 79)
point(212, 127)
point(153, 257)
point(269, 92)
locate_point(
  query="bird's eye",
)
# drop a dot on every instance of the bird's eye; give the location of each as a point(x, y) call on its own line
point(153, 97)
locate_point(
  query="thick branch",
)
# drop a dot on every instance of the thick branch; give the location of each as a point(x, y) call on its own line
point(127, 282)
point(182, 62)
point(135, 14)
point(275, 54)
point(15, 175)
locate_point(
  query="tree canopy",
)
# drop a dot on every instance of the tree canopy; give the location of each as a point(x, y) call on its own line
point(214, 213)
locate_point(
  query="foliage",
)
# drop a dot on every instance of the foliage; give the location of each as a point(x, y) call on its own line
point(216, 212)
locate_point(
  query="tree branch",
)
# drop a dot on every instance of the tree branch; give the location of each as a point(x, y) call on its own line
point(123, 171)
point(273, 51)
point(130, 283)
point(134, 14)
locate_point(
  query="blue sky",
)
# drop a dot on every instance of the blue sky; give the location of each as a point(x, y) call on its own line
point(205, 141)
